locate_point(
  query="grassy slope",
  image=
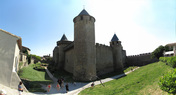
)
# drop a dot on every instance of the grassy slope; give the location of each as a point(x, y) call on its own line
point(34, 78)
point(143, 81)
point(34, 75)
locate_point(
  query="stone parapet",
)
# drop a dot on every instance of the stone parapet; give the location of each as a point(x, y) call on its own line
point(140, 59)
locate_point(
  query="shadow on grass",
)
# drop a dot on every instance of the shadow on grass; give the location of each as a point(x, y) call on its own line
point(111, 74)
point(36, 86)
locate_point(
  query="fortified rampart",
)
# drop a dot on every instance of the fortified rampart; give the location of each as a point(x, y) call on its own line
point(82, 57)
point(140, 60)
point(104, 59)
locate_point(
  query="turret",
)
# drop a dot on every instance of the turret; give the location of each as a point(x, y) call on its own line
point(117, 53)
point(84, 47)
point(59, 55)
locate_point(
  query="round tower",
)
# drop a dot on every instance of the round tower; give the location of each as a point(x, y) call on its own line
point(84, 47)
point(117, 53)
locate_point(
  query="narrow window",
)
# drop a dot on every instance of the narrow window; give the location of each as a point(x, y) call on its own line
point(81, 17)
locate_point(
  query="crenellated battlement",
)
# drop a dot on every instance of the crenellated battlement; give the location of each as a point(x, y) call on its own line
point(143, 54)
point(90, 60)
point(98, 45)
point(140, 59)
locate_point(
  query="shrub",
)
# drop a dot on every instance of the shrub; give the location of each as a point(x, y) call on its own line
point(171, 61)
point(162, 59)
point(38, 66)
point(168, 82)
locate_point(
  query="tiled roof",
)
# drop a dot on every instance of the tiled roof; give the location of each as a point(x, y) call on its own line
point(171, 44)
point(114, 38)
point(26, 48)
point(64, 38)
point(83, 12)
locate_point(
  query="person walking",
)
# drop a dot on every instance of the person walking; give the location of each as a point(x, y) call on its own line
point(62, 83)
point(49, 87)
point(58, 87)
point(92, 85)
point(20, 89)
point(67, 88)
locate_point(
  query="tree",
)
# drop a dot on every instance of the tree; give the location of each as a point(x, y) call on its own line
point(36, 58)
point(29, 59)
point(167, 48)
point(158, 52)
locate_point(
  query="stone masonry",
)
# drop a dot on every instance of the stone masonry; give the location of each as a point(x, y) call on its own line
point(82, 57)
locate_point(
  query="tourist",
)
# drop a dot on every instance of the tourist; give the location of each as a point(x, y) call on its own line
point(58, 87)
point(20, 89)
point(59, 81)
point(62, 83)
point(66, 86)
point(2, 92)
point(92, 85)
point(74, 83)
point(62, 78)
point(49, 87)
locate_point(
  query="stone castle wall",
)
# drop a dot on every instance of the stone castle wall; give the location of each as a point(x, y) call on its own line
point(69, 60)
point(140, 60)
point(104, 59)
point(55, 55)
point(124, 57)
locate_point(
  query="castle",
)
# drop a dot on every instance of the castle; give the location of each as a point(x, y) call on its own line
point(82, 57)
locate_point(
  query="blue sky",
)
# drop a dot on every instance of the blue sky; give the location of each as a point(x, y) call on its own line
point(141, 25)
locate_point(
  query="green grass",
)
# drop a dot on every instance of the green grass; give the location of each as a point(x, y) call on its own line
point(111, 74)
point(33, 78)
point(129, 68)
point(38, 66)
point(68, 76)
point(143, 81)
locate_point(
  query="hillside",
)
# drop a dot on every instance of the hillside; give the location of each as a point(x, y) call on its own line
point(143, 81)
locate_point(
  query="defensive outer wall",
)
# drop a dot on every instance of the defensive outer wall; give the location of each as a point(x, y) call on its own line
point(104, 59)
point(140, 60)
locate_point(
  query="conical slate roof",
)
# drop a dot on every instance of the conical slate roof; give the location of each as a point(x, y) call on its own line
point(83, 12)
point(64, 38)
point(114, 38)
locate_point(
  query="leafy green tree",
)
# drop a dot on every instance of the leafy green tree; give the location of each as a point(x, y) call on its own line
point(29, 59)
point(38, 58)
point(25, 51)
point(158, 52)
point(166, 48)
